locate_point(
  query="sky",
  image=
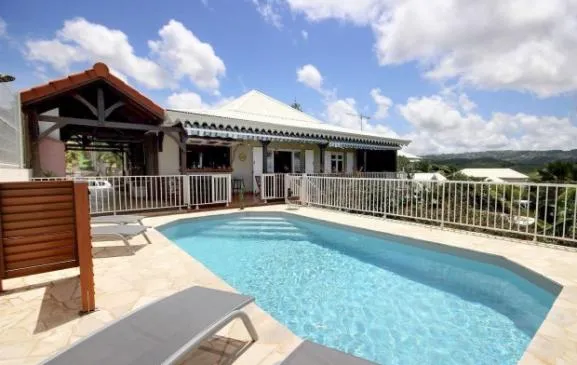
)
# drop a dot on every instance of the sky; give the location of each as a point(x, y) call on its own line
point(452, 76)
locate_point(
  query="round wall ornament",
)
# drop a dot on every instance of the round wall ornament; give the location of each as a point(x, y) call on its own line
point(242, 156)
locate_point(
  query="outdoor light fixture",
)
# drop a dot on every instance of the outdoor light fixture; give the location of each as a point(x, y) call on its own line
point(6, 78)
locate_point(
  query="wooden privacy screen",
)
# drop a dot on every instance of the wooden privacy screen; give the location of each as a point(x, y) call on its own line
point(45, 226)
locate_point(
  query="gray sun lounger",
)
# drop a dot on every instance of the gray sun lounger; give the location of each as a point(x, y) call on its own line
point(163, 332)
point(310, 353)
point(123, 232)
point(117, 219)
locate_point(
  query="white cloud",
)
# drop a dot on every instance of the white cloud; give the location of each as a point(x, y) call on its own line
point(58, 54)
point(82, 41)
point(383, 103)
point(524, 45)
point(344, 113)
point(180, 51)
point(359, 11)
point(442, 125)
point(310, 76)
point(3, 27)
point(178, 54)
point(188, 100)
point(270, 12)
point(305, 34)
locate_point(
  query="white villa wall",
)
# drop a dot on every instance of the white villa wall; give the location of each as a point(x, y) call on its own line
point(14, 174)
point(242, 169)
point(168, 159)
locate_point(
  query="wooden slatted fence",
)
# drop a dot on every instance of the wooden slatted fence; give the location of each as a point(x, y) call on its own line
point(45, 226)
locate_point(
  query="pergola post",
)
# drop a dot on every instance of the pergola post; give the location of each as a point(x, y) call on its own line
point(322, 148)
point(264, 156)
point(182, 148)
point(33, 132)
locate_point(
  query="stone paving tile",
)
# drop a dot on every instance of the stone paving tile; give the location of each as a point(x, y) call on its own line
point(39, 313)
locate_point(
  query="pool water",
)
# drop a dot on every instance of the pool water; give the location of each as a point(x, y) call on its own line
point(373, 296)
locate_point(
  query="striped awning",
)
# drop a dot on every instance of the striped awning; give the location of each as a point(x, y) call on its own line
point(361, 146)
point(212, 133)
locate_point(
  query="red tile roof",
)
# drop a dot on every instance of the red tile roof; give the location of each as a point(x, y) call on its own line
point(98, 72)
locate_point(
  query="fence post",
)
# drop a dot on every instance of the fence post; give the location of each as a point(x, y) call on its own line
point(186, 188)
point(84, 245)
point(229, 189)
point(443, 206)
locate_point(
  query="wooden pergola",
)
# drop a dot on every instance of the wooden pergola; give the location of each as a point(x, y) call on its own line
point(99, 112)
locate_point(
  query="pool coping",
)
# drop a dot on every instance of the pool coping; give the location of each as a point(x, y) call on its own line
point(555, 341)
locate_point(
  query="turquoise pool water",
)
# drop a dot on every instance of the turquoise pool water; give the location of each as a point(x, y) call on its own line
point(386, 299)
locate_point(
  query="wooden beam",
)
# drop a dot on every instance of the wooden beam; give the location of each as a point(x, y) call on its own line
point(84, 246)
point(100, 105)
point(112, 108)
point(109, 124)
point(86, 103)
point(52, 128)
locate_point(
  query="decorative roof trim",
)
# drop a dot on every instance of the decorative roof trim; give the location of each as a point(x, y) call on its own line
point(214, 122)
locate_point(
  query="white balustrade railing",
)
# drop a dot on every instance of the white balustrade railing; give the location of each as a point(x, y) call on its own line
point(545, 212)
point(272, 186)
point(371, 175)
point(118, 194)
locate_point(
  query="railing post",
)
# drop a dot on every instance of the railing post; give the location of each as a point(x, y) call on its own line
point(186, 188)
point(229, 189)
point(443, 206)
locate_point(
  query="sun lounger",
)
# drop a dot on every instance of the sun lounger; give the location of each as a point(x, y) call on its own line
point(163, 332)
point(118, 219)
point(310, 353)
point(123, 232)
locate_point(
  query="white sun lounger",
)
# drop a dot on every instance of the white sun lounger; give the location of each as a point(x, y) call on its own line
point(163, 332)
point(118, 219)
point(123, 232)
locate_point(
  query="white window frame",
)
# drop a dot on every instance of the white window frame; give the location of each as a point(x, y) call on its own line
point(272, 151)
point(339, 159)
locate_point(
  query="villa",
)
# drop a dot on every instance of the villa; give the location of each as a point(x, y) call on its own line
point(248, 137)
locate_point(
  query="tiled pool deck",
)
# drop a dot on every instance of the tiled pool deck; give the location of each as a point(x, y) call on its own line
point(39, 314)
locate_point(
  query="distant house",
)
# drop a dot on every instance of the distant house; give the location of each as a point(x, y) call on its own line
point(428, 176)
point(496, 175)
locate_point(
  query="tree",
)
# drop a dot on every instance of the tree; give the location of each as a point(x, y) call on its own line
point(559, 171)
point(296, 106)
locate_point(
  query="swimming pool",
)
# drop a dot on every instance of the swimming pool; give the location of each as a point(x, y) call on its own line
point(387, 299)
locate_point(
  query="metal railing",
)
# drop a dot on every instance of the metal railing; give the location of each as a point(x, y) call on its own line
point(372, 175)
point(119, 194)
point(545, 212)
point(272, 186)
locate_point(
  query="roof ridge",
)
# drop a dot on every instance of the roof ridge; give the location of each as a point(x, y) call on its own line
point(246, 96)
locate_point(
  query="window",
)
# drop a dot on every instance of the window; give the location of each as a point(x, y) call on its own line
point(212, 157)
point(337, 162)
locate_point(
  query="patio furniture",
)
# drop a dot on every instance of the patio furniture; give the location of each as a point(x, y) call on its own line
point(117, 219)
point(310, 353)
point(123, 232)
point(237, 185)
point(163, 332)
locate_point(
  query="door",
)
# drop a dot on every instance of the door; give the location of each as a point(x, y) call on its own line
point(256, 168)
point(327, 169)
point(309, 161)
point(350, 161)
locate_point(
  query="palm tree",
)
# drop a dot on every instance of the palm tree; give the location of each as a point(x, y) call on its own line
point(296, 106)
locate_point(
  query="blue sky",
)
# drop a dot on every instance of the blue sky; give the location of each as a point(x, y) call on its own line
point(446, 81)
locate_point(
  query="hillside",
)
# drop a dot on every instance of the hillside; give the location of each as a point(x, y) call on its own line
point(523, 161)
